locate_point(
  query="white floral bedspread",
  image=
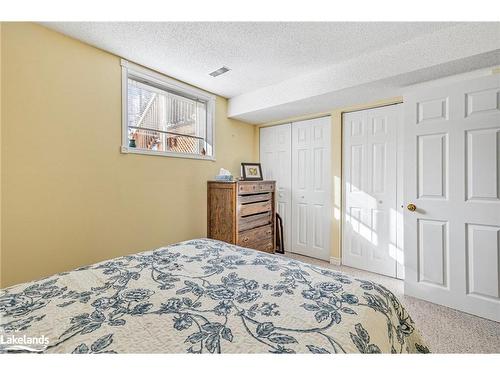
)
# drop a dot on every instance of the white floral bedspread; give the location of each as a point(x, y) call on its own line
point(206, 296)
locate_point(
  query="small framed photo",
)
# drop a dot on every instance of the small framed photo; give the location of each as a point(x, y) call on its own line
point(251, 171)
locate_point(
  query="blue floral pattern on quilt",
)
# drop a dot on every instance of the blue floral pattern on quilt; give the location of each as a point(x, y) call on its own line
point(206, 296)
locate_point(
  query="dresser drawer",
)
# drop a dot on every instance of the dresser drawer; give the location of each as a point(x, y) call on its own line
point(251, 198)
point(246, 187)
point(254, 208)
point(266, 186)
point(252, 236)
point(266, 245)
point(250, 222)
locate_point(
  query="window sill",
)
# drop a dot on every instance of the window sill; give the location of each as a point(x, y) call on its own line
point(133, 150)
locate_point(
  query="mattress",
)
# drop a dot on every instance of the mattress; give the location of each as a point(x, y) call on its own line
point(205, 296)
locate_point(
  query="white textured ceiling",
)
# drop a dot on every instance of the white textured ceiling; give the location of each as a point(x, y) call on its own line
point(259, 54)
point(375, 75)
point(285, 69)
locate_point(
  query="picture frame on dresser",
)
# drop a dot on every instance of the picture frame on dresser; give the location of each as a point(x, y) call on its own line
point(251, 172)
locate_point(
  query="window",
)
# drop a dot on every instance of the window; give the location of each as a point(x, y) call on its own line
point(164, 117)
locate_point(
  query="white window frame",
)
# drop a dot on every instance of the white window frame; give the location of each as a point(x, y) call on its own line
point(169, 84)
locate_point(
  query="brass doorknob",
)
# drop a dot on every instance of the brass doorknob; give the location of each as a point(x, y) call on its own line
point(411, 207)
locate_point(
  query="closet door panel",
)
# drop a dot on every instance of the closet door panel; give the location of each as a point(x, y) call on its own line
point(311, 187)
point(370, 215)
point(276, 160)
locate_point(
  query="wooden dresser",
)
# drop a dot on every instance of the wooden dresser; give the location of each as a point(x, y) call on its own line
point(242, 213)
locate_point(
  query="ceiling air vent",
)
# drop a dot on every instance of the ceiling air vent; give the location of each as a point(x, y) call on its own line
point(220, 71)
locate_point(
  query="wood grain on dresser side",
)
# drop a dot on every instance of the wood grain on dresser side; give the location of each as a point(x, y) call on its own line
point(221, 211)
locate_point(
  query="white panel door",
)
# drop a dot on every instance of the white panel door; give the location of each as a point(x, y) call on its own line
point(276, 160)
point(370, 215)
point(452, 166)
point(311, 187)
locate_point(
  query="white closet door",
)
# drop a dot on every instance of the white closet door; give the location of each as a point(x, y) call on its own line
point(276, 160)
point(370, 215)
point(452, 165)
point(311, 187)
point(267, 147)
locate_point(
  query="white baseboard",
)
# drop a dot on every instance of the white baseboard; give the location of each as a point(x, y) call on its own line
point(335, 261)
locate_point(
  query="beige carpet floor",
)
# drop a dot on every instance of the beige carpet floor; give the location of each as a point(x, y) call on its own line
point(445, 330)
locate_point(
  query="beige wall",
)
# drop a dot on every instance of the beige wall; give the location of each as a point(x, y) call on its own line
point(336, 117)
point(69, 197)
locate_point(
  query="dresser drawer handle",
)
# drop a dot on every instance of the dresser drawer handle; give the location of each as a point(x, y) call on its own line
point(269, 231)
point(245, 239)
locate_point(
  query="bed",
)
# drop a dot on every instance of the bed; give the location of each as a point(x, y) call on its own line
point(205, 296)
